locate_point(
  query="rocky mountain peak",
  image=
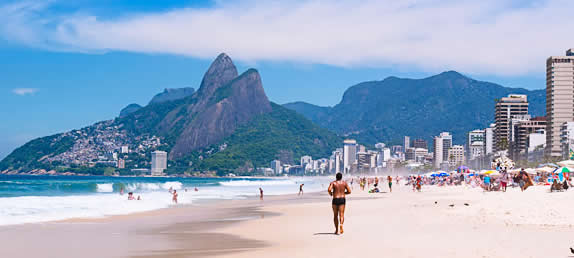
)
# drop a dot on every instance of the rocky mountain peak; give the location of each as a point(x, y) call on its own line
point(221, 72)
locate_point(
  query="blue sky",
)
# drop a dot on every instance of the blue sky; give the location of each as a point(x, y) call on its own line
point(65, 64)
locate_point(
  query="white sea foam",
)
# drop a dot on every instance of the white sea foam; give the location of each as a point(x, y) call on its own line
point(257, 182)
point(146, 187)
point(33, 209)
point(105, 188)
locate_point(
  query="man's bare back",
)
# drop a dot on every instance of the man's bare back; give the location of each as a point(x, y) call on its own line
point(339, 189)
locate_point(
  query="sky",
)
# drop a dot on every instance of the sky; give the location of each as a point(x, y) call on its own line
point(65, 64)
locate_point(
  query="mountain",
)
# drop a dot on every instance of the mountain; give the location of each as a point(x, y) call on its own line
point(130, 109)
point(387, 110)
point(165, 96)
point(226, 125)
point(172, 94)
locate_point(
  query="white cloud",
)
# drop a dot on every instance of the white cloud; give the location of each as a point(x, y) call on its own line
point(501, 37)
point(24, 91)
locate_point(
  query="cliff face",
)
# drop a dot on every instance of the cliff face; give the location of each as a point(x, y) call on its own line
point(220, 107)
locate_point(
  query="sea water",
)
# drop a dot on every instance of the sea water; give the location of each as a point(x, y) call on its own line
point(30, 199)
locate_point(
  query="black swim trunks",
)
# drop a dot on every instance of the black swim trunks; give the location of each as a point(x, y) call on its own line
point(339, 201)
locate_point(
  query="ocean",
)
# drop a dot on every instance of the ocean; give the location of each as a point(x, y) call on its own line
point(32, 199)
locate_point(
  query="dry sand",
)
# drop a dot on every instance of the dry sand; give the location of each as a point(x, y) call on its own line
point(399, 224)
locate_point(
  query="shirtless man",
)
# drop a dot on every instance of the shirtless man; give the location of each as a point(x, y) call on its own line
point(338, 189)
point(301, 189)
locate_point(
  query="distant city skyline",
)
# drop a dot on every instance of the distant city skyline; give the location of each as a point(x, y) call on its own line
point(53, 82)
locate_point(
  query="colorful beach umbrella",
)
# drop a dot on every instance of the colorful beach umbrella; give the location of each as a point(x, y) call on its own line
point(567, 163)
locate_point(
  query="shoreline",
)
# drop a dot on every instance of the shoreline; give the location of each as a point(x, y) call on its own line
point(398, 224)
point(158, 232)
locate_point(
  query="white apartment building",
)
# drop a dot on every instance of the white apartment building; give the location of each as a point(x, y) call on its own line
point(276, 166)
point(567, 139)
point(489, 139)
point(442, 144)
point(475, 144)
point(158, 163)
point(349, 155)
point(456, 155)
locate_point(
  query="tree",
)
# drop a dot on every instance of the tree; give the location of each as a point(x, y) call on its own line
point(109, 171)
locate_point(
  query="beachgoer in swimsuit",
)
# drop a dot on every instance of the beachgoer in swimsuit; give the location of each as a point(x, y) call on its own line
point(174, 199)
point(390, 179)
point(260, 193)
point(339, 189)
point(301, 189)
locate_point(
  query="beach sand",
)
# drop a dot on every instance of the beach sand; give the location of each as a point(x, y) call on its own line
point(399, 224)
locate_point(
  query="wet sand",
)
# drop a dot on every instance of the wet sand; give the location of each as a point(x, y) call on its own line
point(398, 224)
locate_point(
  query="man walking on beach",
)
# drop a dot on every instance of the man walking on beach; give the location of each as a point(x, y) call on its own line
point(301, 189)
point(339, 189)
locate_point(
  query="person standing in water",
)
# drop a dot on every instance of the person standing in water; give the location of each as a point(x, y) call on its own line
point(301, 189)
point(260, 193)
point(174, 198)
point(339, 189)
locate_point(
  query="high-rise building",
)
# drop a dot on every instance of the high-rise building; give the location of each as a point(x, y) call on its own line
point(406, 143)
point(475, 145)
point(336, 161)
point(396, 149)
point(158, 163)
point(364, 161)
point(513, 147)
point(442, 144)
point(506, 109)
point(410, 154)
point(349, 155)
point(521, 132)
point(306, 160)
point(456, 155)
point(489, 139)
point(416, 154)
point(420, 143)
point(276, 166)
point(559, 99)
point(567, 139)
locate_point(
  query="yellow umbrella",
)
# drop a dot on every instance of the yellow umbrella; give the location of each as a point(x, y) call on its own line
point(492, 173)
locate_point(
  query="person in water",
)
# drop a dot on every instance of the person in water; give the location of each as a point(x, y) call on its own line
point(301, 189)
point(260, 193)
point(174, 198)
point(339, 189)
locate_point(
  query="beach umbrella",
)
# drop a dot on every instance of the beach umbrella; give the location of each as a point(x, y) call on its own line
point(530, 171)
point(443, 174)
point(546, 169)
point(492, 173)
point(562, 173)
point(548, 165)
point(462, 169)
point(567, 163)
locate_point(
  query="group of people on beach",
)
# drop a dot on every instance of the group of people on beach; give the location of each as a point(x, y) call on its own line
point(173, 192)
point(367, 182)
